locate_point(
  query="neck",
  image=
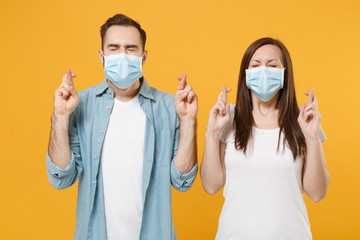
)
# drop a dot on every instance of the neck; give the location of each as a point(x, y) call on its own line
point(265, 114)
point(127, 94)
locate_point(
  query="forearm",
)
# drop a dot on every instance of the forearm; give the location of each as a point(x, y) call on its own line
point(186, 155)
point(59, 147)
point(316, 177)
point(211, 170)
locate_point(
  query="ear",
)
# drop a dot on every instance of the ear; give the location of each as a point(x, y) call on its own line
point(101, 55)
point(144, 57)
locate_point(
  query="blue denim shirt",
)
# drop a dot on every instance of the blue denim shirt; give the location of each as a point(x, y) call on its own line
point(88, 124)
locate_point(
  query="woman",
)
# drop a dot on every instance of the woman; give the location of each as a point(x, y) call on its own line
point(265, 151)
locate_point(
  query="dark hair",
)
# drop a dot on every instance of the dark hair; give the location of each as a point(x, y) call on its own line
point(287, 104)
point(122, 20)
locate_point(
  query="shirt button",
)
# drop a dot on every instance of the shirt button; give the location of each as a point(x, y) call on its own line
point(93, 182)
point(108, 108)
point(101, 131)
point(96, 156)
point(109, 91)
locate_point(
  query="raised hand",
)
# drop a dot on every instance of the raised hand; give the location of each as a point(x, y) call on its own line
point(309, 117)
point(66, 98)
point(186, 102)
point(220, 113)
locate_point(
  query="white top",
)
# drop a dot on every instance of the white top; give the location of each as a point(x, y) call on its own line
point(263, 190)
point(122, 166)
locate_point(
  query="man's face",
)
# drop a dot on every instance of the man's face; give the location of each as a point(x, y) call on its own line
point(123, 39)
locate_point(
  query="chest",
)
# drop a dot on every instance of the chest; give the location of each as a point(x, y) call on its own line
point(266, 158)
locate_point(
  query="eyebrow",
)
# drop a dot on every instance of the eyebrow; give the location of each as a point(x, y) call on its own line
point(131, 46)
point(255, 60)
point(118, 45)
point(273, 60)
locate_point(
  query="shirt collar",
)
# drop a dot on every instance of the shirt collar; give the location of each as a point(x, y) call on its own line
point(145, 89)
point(102, 87)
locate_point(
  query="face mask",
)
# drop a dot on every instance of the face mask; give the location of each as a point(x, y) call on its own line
point(123, 69)
point(265, 82)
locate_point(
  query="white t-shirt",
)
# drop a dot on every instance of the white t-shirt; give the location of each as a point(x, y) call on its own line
point(122, 166)
point(263, 190)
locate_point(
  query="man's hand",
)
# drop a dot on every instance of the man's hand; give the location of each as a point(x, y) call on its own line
point(186, 101)
point(66, 98)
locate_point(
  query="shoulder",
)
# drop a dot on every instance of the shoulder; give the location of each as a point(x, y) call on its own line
point(87, 93)
point(160, 95)
point(87, 99)
point(163, 98)
point(163, 108)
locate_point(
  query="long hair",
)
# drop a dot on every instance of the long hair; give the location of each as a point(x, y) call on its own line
point(287, 104)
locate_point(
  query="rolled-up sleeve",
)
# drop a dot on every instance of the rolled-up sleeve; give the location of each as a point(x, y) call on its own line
point(64, 178)
point(182, 182)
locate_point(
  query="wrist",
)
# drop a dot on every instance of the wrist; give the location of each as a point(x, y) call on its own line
point(210, 133)
point(61, 119)
point(189, 122)
point(312, 140)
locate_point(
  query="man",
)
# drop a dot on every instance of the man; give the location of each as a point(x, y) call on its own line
point(124, 141)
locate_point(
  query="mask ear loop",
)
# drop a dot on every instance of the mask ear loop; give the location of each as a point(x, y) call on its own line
point(103, 57)
point(283, 79)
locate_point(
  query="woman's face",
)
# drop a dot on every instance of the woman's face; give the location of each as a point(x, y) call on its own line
point(267, 55)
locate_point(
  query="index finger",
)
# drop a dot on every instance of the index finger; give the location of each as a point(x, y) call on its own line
point(182, 82)
point(223, 95)
point(310, 97)
point(225, 90)
point(68, 77)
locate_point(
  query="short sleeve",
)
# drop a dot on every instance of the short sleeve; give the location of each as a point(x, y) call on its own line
point(322, 135)
point(227, 133)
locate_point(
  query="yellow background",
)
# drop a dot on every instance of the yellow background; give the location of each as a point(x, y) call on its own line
point(206, 39)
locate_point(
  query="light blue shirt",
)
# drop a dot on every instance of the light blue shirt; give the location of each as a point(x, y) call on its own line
point(88, 124)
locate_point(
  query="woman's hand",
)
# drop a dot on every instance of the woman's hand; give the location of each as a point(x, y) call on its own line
point(220, 114)
point(309, 117)
point(316, 177)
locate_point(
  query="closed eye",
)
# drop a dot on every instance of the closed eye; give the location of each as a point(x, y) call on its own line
point(131, 47)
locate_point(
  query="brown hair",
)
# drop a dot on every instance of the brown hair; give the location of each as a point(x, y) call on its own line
point(287, 104)
point(122, 20)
